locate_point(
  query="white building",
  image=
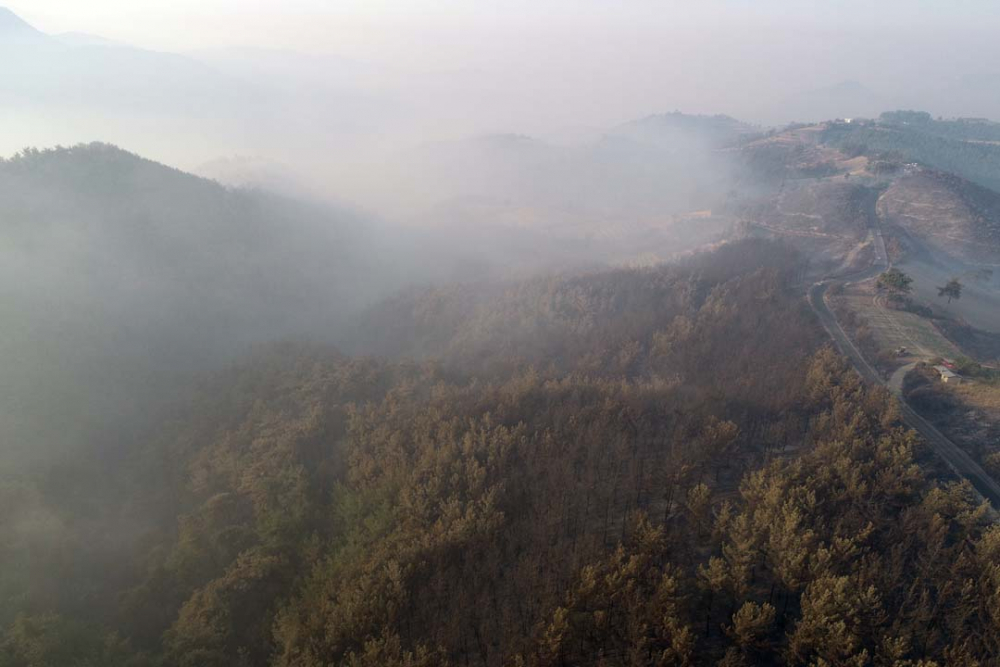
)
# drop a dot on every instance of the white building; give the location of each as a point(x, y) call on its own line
point(948, 376)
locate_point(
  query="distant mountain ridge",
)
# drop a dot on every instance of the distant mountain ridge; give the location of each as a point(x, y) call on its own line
point(718, 130)
point(16, 32)
point(11, 22)
point(75, 71)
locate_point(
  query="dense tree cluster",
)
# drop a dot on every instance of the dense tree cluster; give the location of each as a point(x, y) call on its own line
point(895, 282)
point(653, 467)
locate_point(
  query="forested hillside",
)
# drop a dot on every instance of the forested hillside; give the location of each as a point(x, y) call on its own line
point(966, 148)
point(120, 278)
point(423, 334)
point(653, 467)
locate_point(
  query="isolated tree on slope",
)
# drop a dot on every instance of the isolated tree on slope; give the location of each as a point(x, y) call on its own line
point(952, 290)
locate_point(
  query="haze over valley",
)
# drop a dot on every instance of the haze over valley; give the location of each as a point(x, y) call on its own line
point(412, 334)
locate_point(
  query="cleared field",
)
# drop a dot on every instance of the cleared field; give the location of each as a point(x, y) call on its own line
point(893, 329)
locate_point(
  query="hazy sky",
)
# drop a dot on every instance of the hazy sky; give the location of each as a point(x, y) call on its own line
point(740, 46)
point(556, 67)
point(439, 29)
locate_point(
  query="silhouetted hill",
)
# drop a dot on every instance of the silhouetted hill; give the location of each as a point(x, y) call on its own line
point(120, 276)
point(38, 70)
point(11, 23)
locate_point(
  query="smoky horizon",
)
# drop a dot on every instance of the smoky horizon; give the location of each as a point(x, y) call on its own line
point(465, 333)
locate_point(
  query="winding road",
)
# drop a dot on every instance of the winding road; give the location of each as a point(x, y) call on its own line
point(960, 463)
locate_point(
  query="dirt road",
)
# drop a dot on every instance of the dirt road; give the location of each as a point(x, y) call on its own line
point(956, 459)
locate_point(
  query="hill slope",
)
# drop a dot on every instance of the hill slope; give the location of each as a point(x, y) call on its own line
point(968, 148)
point(689, 482)
point(120, 275)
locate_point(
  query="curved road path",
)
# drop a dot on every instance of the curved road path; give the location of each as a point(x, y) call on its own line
point(959, 462)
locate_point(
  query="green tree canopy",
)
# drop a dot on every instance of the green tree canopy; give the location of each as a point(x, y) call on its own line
point(952, 289)
point(895, 281)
